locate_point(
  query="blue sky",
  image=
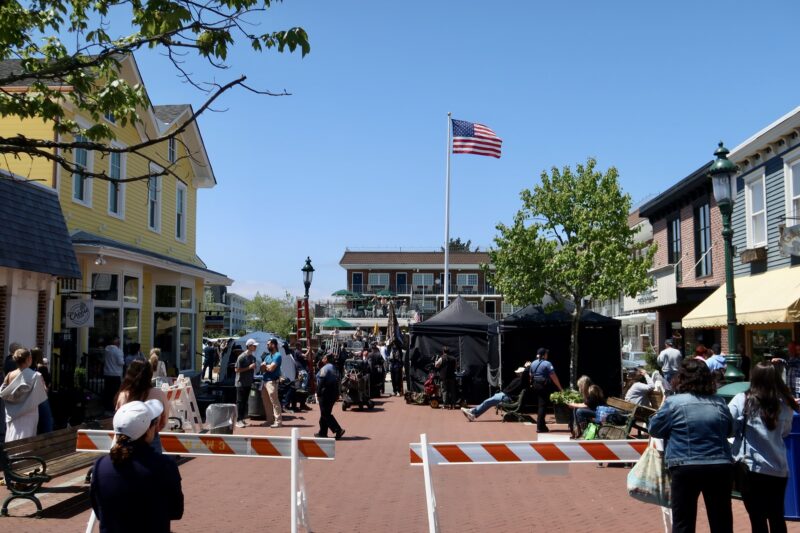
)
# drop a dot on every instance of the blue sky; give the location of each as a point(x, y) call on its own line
point(356, 156)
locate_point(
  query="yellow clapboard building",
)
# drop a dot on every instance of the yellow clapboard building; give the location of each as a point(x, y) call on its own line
point(135, 242)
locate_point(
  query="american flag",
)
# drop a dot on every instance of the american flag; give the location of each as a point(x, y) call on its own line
point(472, 138)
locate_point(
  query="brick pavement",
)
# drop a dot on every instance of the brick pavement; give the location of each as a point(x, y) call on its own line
point(370, 487)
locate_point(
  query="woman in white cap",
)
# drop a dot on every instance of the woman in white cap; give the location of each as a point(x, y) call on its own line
point(509, 393)
point(135, 489)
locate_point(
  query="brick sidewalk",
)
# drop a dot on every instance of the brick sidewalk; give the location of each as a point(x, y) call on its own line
point(370, 487)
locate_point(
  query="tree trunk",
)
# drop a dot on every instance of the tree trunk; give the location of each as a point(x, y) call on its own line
point(573, 343)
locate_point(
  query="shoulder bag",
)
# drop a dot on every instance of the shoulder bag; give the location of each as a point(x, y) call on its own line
point(649, 479)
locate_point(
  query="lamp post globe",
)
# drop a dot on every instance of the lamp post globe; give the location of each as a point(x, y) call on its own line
point(308, 275)
point(722, 172)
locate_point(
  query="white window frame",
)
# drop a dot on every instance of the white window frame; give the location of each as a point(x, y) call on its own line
point(180, 224)
point(467, 280)
point(750, 215)
point(380, 276)
point(109, 118)
point(172, 150)
point(158, 186)
point(422, 276)
point(120, 214)
point(87, 182)
point(789, 159)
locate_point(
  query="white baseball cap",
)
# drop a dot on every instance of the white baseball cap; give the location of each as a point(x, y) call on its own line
point(134, 418)
point(250, 342)
point(520, 370)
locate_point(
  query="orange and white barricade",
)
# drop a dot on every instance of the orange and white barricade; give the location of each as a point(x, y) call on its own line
point(294, 448)
point(426, 453)
point(182, 403)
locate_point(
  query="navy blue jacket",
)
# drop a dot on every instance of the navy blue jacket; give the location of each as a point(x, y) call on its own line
point(143, 494)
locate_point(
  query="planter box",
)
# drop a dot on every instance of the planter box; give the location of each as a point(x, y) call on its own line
point(563, 413)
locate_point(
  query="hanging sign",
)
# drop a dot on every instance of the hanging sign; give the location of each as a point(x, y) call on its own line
point(79, 313)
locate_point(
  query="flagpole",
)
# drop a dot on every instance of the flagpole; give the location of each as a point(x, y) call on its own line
point(446, 281)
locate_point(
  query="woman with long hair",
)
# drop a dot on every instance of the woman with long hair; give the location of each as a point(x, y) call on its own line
point(762, 418)
point(133, 488)
point(22, 391)
point(137, 386)
point(695, 423)
point(157, 365)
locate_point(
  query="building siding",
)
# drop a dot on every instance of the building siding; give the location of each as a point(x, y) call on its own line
point(776, 210)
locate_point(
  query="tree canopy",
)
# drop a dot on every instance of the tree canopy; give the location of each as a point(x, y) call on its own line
point(571, 241)
point(456, 245)
point(275, 315)
point(62, 53)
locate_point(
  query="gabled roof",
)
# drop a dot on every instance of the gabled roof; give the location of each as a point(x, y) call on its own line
point(156, 120)
point(432, 258)
point(169, 113)
point(34, 235)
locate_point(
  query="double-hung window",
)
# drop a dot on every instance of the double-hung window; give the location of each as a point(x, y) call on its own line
point(702, 240)
point(81, 186)
point(378, 280)
point(792, 173)
point(115, 189)
point(172, 150)
point(422, 280)
point(674, 245)
point(180, 212)
point(154, 203)
point(756, 204)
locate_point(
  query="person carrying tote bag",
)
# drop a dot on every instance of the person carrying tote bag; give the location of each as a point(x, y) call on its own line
point(762, 418)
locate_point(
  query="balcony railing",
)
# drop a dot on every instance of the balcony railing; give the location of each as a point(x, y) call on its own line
point(478, 289)
point(426, 309)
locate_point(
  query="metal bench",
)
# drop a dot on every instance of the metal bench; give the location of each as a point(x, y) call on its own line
point(512, 411)
point(28, 464)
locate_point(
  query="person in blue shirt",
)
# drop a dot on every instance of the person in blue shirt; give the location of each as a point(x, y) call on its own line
point(270, 374)
point(542, 375)
point(327, 392)
point(762, 418)
point(134, 488)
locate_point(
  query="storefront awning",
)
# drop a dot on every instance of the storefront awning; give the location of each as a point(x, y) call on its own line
point(761, 299)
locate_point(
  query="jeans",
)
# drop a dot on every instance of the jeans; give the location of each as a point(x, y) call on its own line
point(272, 406)
point(242, 396)
point(764, 502)
point(714, 482)
point(490, 402)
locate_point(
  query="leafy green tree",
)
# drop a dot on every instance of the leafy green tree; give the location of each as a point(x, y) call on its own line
point(68, 53)
point(571, 241)
point(276, 315)
point(457, 246)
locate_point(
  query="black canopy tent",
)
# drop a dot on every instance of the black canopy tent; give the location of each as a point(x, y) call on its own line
point(467, 333)
point(530, 328)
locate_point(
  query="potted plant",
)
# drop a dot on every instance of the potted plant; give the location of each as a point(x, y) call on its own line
point(560, 400)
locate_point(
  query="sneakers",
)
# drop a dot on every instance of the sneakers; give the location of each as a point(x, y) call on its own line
point(468, 414)
point(339, 434)
point(241, 424)
point(276, 425)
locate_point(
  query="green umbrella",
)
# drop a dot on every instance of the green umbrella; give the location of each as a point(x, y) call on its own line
point(384, 292)
point(342, 292)
point(732, 389)
point(336, 323)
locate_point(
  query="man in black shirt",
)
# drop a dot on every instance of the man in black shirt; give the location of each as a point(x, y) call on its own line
point(511, 391)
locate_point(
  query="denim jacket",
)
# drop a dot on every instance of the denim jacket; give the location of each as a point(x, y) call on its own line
point(695, 430)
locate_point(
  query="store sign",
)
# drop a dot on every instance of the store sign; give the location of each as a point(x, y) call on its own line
point(662, 291)
point(79, 313)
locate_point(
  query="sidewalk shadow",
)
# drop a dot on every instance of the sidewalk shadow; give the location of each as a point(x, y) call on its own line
point(354, 438)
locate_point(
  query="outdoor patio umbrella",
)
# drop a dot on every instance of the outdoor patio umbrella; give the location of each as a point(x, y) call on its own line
point(343, 292)
point(336, 323)
point(385, 293)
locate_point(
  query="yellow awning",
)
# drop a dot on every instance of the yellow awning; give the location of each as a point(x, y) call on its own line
point(761, 299)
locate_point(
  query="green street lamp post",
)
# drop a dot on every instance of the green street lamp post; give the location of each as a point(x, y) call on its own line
point(721, 172)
